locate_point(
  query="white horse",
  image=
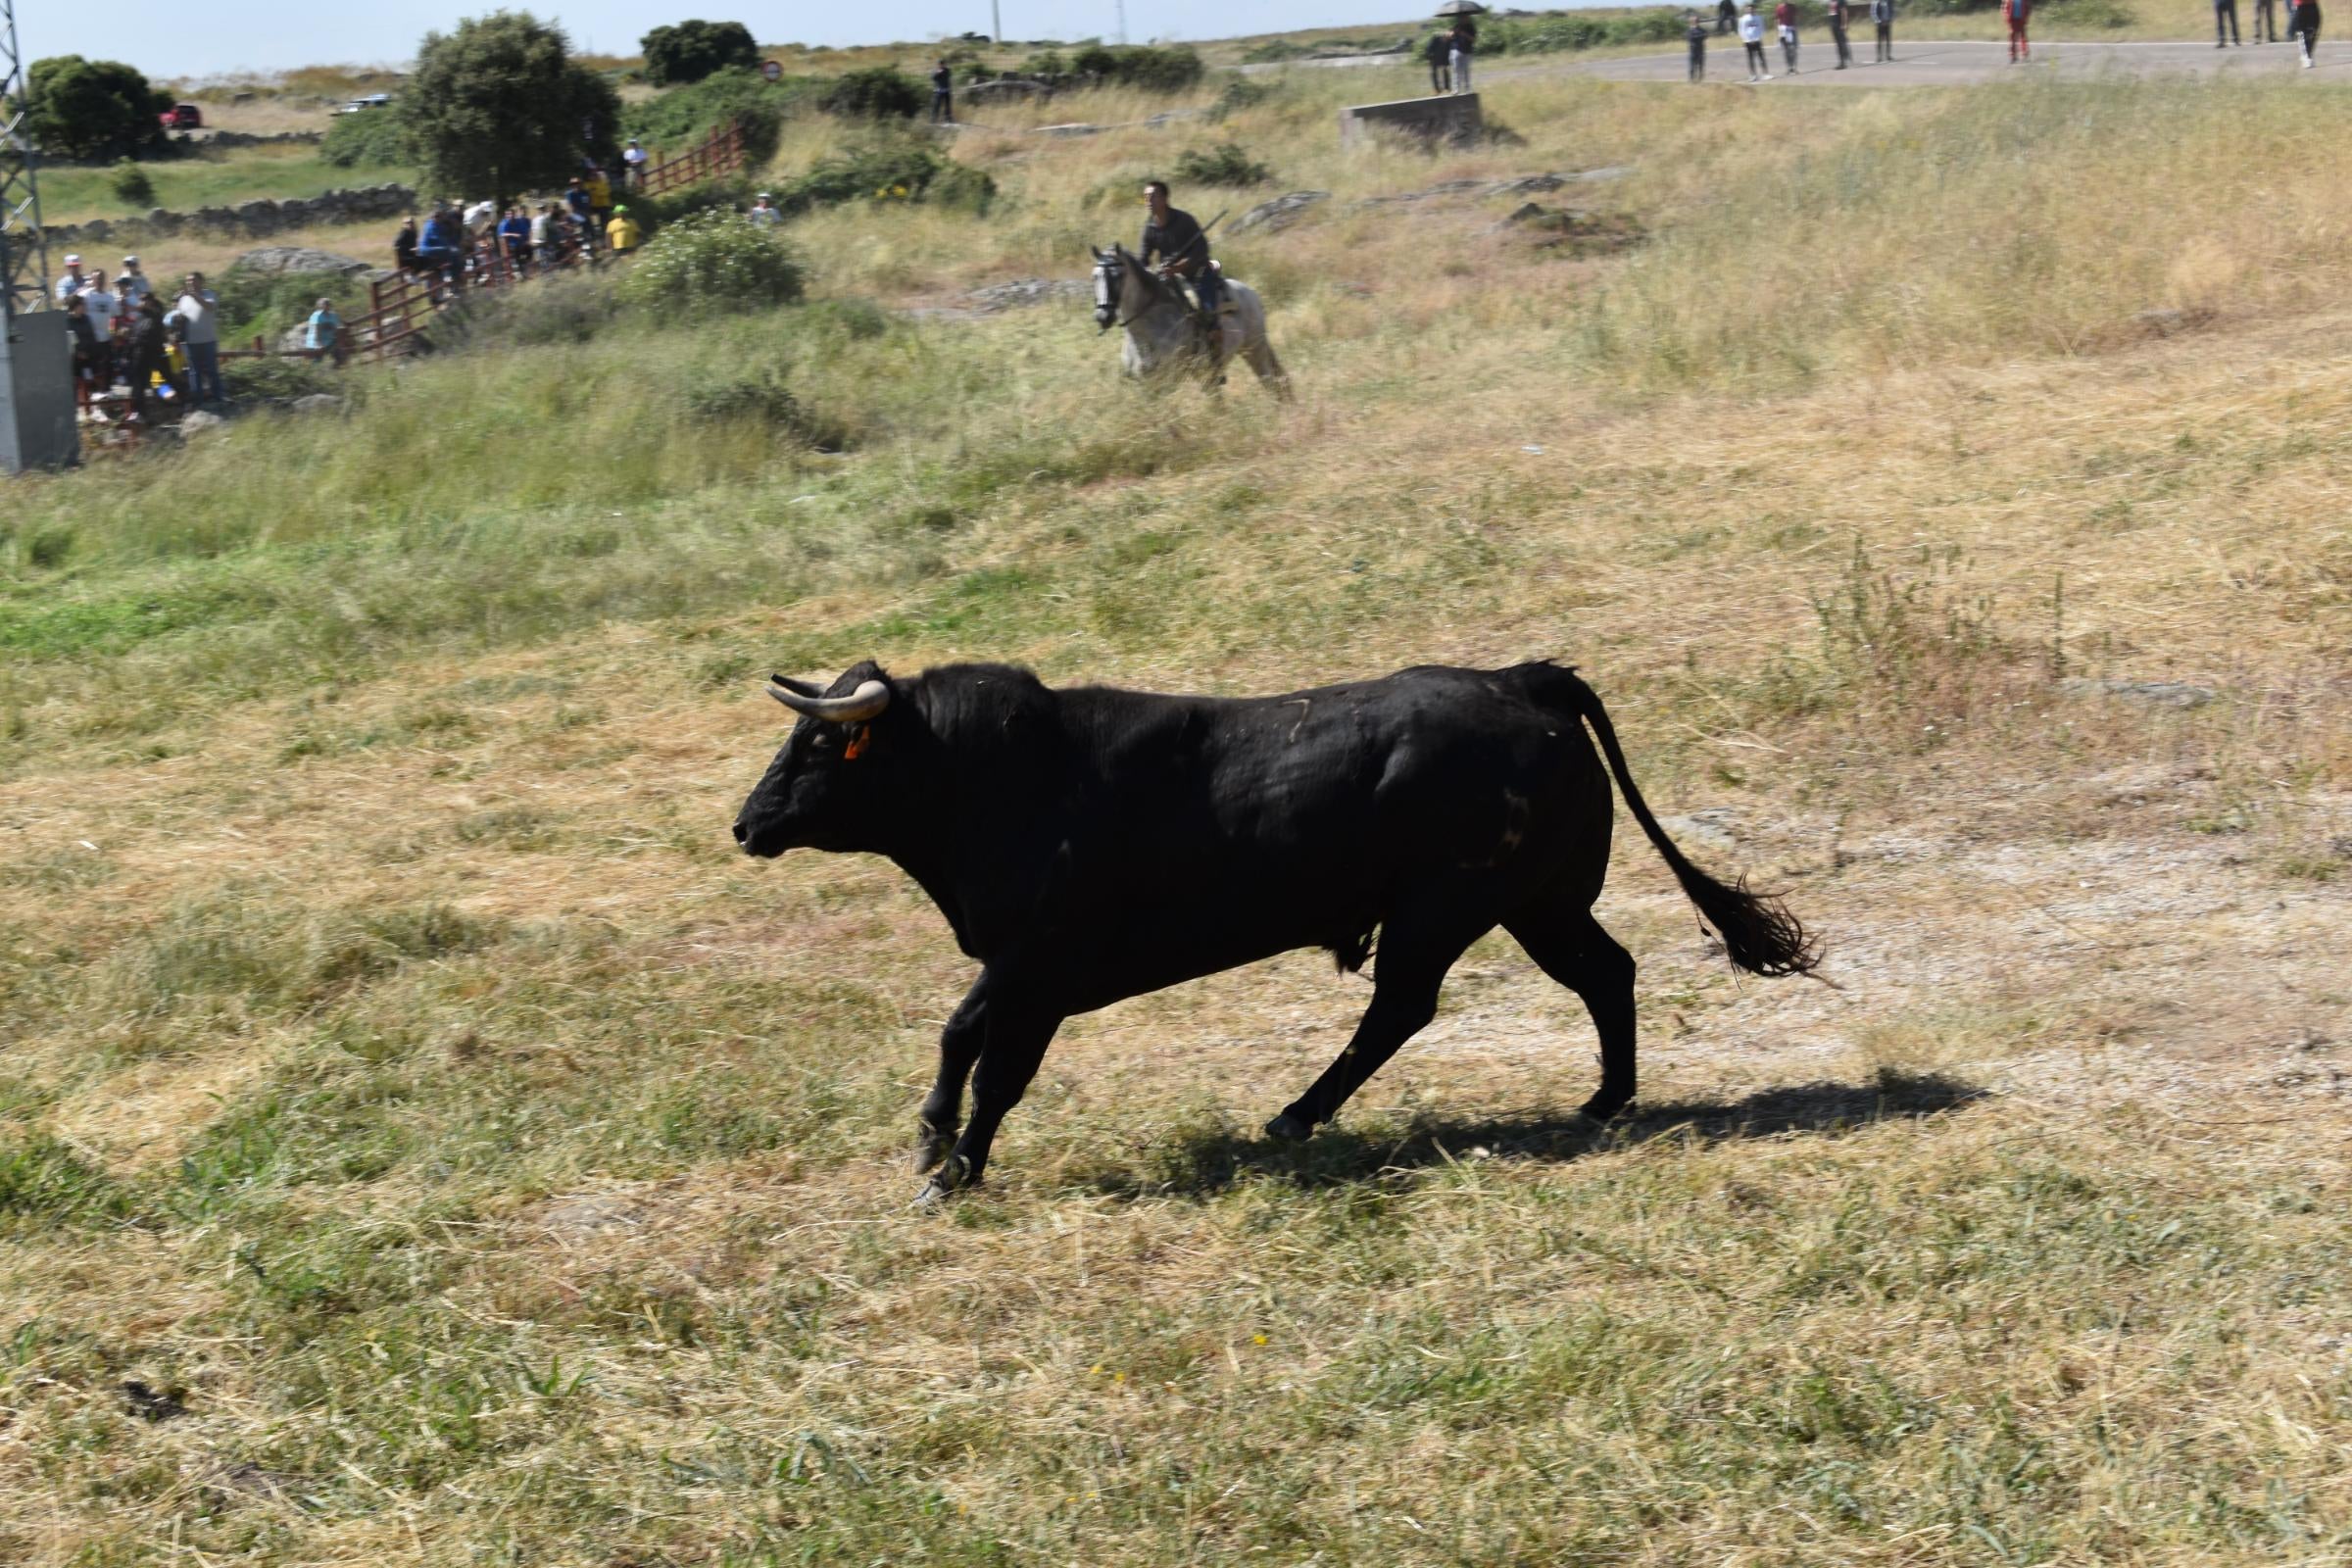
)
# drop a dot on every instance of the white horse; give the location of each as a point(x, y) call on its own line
point(1164, 335)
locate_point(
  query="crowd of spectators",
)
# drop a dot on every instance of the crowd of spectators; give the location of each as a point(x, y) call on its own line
point(132, 348)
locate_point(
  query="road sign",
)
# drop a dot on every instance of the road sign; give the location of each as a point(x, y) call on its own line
point(771, 71)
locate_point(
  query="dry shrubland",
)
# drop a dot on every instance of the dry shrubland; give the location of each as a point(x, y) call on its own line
point(472, 1158)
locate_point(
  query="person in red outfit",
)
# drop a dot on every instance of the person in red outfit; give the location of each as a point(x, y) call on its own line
point(2019, 12)
point(1784, 16)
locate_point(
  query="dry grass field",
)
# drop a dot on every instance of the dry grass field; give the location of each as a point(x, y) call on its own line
point(425, 1138)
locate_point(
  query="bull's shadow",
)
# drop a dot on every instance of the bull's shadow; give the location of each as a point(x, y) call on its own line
point(1204, 1162)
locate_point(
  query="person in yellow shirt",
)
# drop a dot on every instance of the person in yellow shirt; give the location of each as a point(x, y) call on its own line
point(600, 199)
point(623, 233)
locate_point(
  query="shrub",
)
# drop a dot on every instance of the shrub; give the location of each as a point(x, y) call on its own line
point(879, 93)
point(93, 108)
point(375, 136)
point(685, 115)
point(689, 51)
point(1226, 164)
point(1152, 68)
point(889, 168)
point(1274, 50)
point(1051, 62)
point(711, 260)
point(1239, 94)
point(256, 301)
point(129, 183)
point(277, 380)
point(568, 307)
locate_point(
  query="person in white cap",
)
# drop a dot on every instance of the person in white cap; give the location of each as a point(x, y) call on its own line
point(103, 306)
point(634, 158)
point(133, 283)
point(73, 282)
point(763, 212)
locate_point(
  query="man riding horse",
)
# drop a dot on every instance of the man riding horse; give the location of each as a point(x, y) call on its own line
point(1177, 239)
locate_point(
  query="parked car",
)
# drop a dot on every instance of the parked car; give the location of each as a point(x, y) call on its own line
point(183, 116)
point(374, 99)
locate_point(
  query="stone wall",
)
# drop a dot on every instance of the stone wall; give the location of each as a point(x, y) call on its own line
point(255, 219)
point(1454, 118)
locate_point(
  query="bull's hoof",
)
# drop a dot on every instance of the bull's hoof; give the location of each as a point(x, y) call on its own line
point(1289, 1129)
point(1602, 1108)
point(931, 1146)
point(950, 1179)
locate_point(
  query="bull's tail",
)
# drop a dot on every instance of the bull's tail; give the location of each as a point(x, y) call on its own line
point(1758, 932)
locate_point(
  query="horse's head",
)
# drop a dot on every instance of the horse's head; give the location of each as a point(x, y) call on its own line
point(1110, 277)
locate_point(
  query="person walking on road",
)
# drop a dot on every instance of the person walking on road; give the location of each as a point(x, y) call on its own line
point(1882, 16)
point(1838, 20)
point(2304, 23)
point(2017, 13)
point(1439, 52)
point(1752, 34)
point(1462, 45)
point(2225, 15)
point(1697, 32)
point(1783, 18)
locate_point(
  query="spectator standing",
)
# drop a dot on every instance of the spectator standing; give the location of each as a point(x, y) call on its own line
point(404, 246)
point(575, 199)
point(599, 199)
point(132, 284)
point(1838, 20)
point(2017, 13)
point(515, 234)
point(1437, 52)
point(200, 333)
point(1783, 18)
point(1696, 33)
point(942, 95)
point(1882, 15)
point(87, 352)
point(2304, 23)
point(2224, 12)
point(764, 214)
point(1726, 15)
point(1462, 45)
point(70, 282)
point(622, 233)
point(632, 159)
point(1752, 34)
point(2266, 21)
point(322, 333)
point(101, 304)
point(147, 365)
point(437, 248)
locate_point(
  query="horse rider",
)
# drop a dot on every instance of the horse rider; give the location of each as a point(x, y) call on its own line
point(1176, 237)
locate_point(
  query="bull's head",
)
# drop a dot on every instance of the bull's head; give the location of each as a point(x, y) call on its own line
point(828, 788)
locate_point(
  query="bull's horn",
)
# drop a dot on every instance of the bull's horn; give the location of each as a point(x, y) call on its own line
point(867, 701)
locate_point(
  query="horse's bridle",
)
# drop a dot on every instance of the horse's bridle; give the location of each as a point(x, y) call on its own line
point(1110, 274)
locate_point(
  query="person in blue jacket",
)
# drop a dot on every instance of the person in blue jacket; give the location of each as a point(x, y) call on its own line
point(515, 234)
point(439, 248)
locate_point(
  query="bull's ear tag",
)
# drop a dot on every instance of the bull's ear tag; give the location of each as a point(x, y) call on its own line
point(859, 739)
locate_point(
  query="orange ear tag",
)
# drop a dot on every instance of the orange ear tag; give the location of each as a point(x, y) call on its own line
point(858, 742)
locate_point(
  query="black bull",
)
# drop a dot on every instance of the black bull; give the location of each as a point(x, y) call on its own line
point(1089, 845)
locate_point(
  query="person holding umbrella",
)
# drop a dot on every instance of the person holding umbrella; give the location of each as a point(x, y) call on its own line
point(1462, 42)
point(1439, 53)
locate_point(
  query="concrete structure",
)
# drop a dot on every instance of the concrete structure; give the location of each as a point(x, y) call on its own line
point(1454, 118)
point(37, 393)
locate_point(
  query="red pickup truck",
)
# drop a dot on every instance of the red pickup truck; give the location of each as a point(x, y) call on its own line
point(183, 116)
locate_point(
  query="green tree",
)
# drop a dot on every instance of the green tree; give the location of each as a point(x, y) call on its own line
point(689, 51)
point(94, 108)
point(500, 107)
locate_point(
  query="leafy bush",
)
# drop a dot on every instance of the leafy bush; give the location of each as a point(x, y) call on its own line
point(1051, 62)
point(1566, 31)
point(889, 168)
point(878, 94)
point(760, 395)
point(1152, 68)
point(568, 307)
point(1274, 50)
point(496, 107)
point(685, 115)
point(374, 136)
point(93, 108)
point(689, 51)
point(277, 380)
point(714, 261)
point(1226, 164)
point(129, 183)
point(1239, 94)
point(256, 301)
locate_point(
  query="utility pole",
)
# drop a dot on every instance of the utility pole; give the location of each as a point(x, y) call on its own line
point(1122, 20)
point(36, 355)
point(996, 23)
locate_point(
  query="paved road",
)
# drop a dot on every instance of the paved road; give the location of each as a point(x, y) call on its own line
point(1933, 65)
